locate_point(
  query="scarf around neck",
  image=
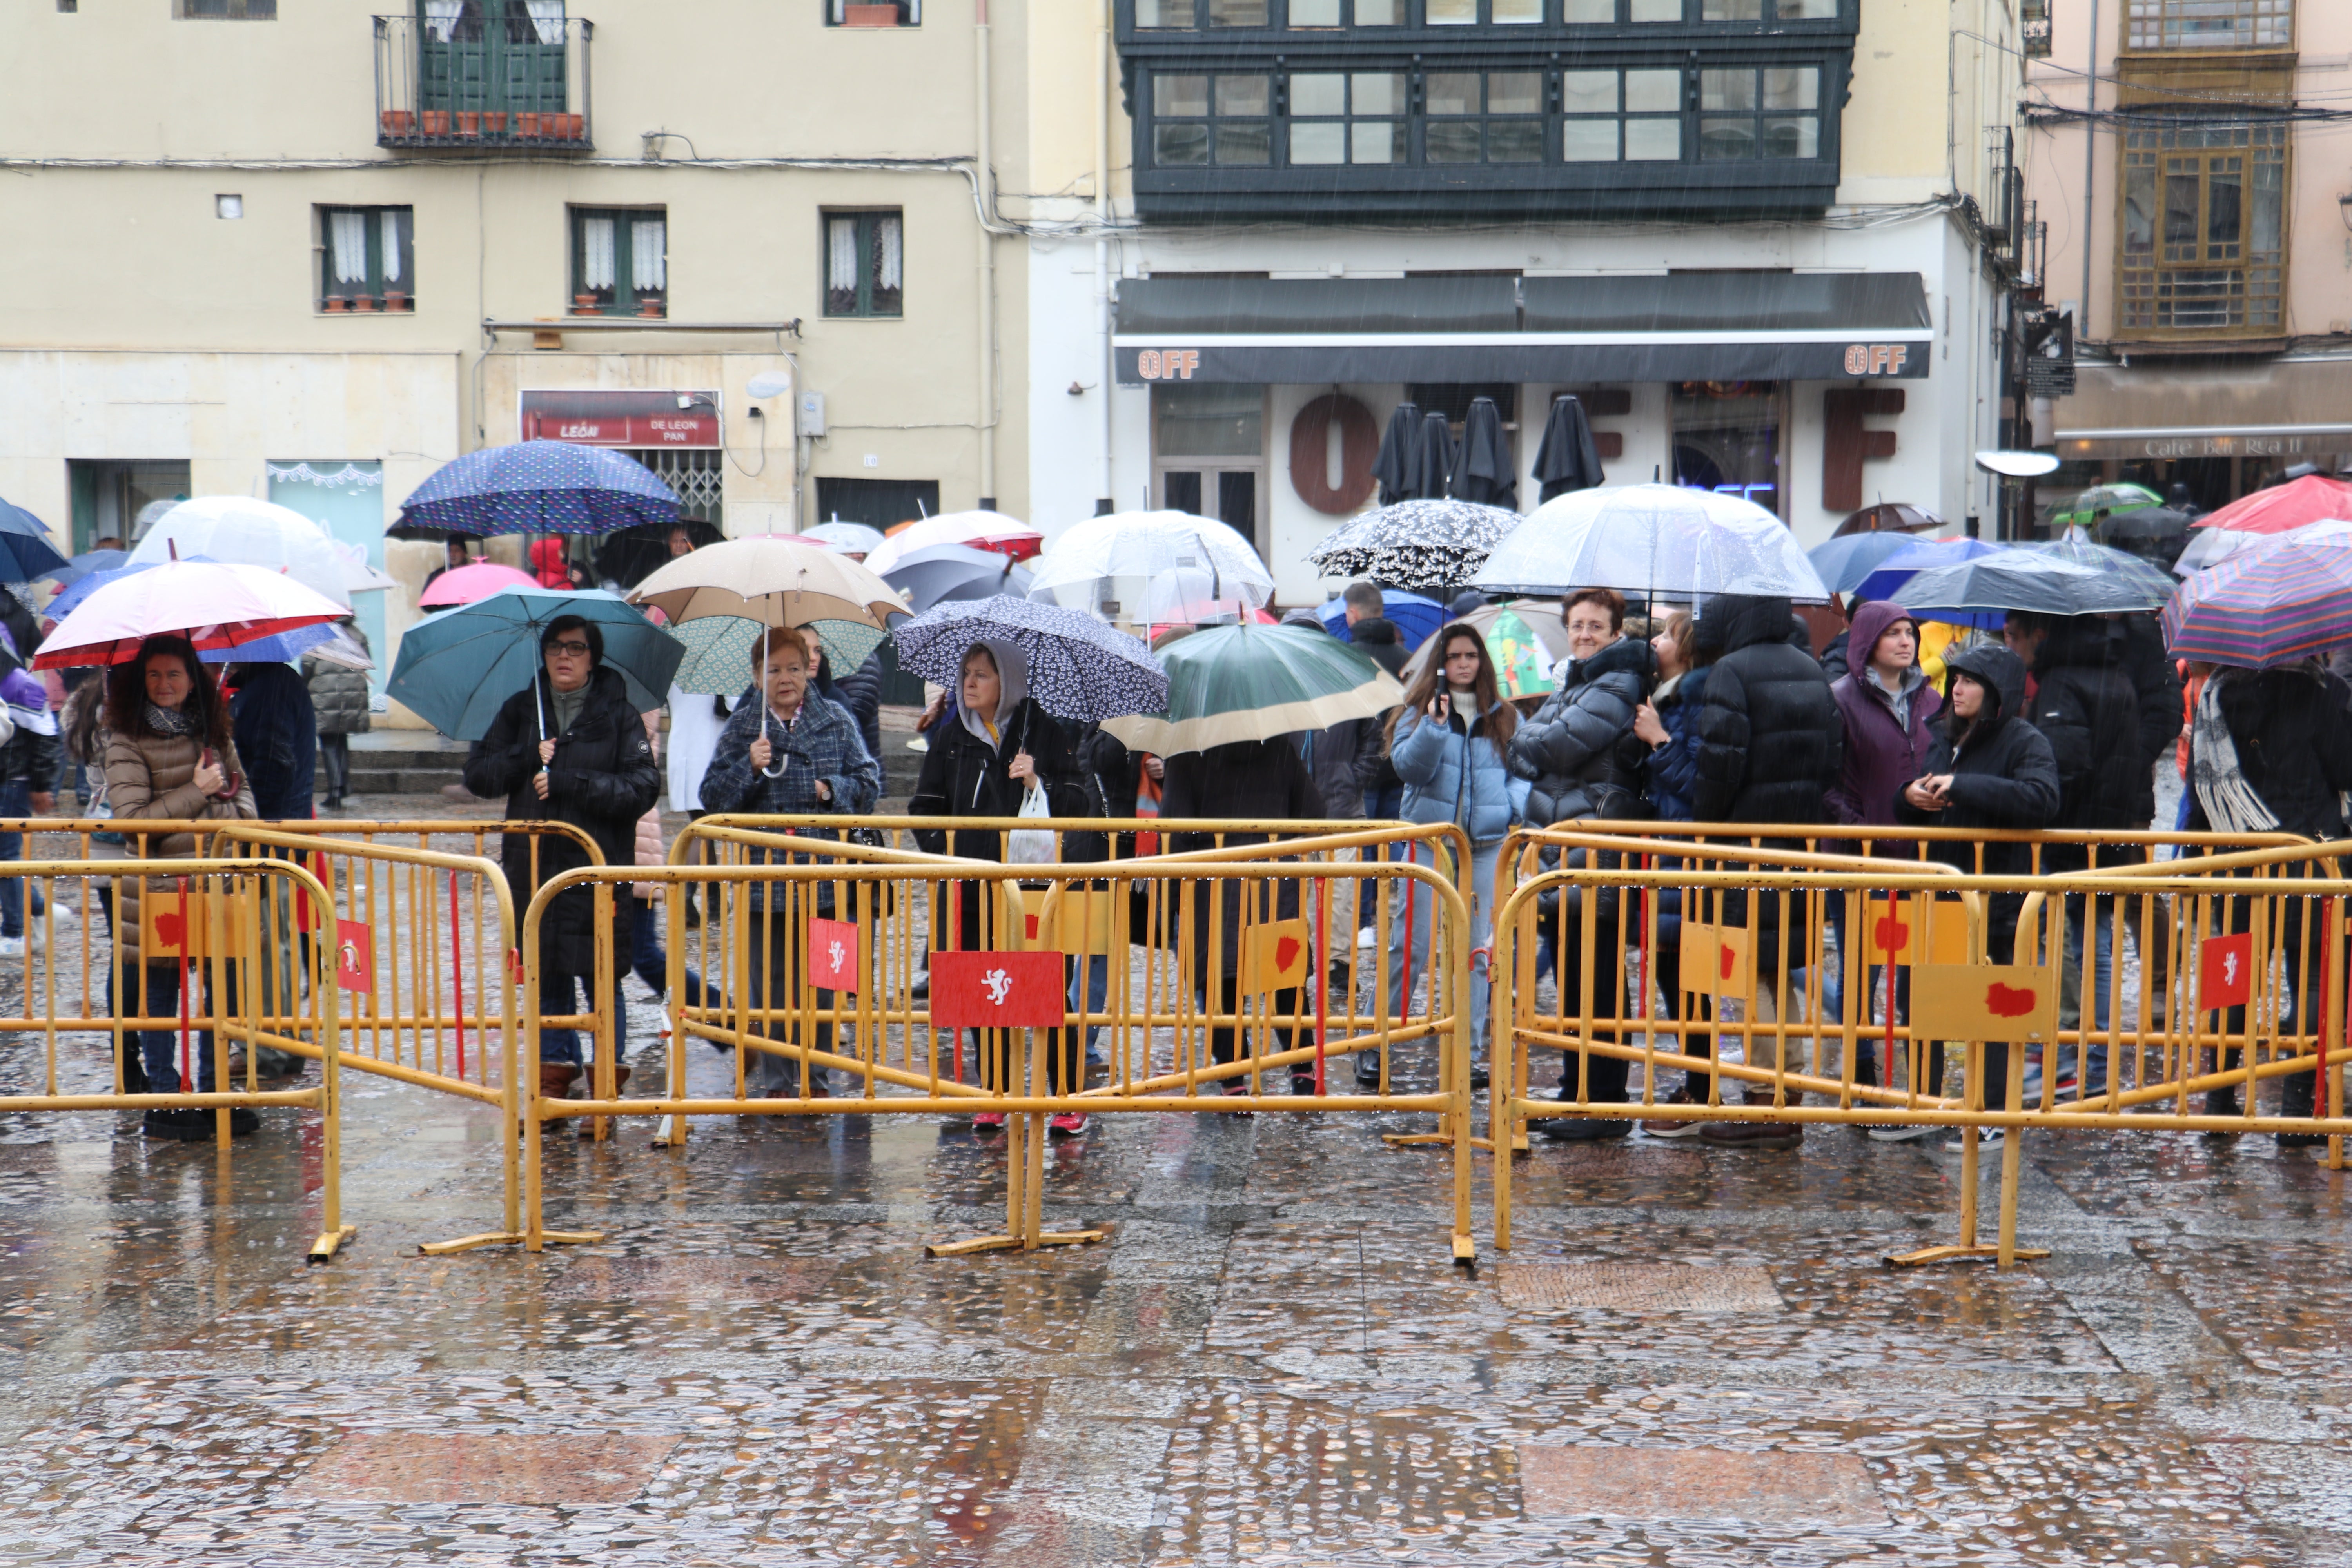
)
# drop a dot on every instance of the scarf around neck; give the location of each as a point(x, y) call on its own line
point(2231, 805)
point(172, 721)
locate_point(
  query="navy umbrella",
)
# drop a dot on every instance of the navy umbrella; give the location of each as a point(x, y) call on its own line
point(1568, 459)
point(1393, 467)
point(1079, 667)
point(25, 552)
point(536, 486)
point(1488, 473)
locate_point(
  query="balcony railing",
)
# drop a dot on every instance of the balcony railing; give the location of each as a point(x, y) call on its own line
point(491, 85)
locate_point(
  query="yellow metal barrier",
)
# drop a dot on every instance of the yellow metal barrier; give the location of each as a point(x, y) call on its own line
point(809, 963)
point(206, 925)
point(2256, 961)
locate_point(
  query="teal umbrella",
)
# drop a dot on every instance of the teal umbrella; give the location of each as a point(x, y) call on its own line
point(1252, 683)
point(456, 667)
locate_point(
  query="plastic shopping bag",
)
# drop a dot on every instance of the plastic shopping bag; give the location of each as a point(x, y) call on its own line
point(1031, 846)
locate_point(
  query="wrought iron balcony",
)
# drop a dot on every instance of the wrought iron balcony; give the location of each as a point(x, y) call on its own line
point(497, 84)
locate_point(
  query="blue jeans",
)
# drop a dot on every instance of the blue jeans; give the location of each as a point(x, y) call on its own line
point(2094, 1052)
point(652, 964)
point(159, 1048)
point(16, 800)
point(1482, 935)
point(1094, 978)
point(561, 994)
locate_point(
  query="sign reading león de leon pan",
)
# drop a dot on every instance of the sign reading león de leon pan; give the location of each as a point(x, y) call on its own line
point(591, 417)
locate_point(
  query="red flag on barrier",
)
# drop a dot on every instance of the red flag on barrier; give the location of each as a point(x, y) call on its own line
point(833, 955)
point(997, 990)
point(2225, 971)
point(354, 955)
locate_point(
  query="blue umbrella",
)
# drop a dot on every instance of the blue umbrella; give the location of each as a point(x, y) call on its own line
point(456, 667)
point(1415, 618)
point(1845, 561)
point(537, 487)
point(88, 582)
point(283, 649)
point(87, 562)
point(1923, 555)
point(25, 552)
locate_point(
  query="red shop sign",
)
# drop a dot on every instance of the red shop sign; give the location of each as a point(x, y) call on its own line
point(630, 419)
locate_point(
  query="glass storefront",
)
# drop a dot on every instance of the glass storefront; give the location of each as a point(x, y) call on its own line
point(1727, 438)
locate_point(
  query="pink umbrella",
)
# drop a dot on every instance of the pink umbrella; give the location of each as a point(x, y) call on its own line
point(2315, 498)
point(464, 584)
point(211, 603)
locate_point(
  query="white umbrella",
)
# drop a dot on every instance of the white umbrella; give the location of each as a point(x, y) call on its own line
point(360, 578)
point(1656, 541)
point(243, 532)
point(1149, 544)
point(849, 538)
point(983, 530)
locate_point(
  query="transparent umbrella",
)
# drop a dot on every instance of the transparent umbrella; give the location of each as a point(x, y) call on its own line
point(1656, 541)
point(1147, 544)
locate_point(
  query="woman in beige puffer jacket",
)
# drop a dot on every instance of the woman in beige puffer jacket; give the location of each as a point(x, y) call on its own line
point(169, 758)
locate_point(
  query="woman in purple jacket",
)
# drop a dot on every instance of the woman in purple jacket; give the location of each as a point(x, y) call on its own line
point(1886, 702)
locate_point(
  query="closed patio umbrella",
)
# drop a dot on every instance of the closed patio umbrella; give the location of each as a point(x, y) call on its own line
point(1393, 466)
point(1569, 458)
point(1488, 471)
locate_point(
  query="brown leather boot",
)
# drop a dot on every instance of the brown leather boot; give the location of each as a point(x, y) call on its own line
point(555, 1079)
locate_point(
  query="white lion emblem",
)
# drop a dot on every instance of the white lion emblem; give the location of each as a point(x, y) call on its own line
point(999, 984)
point(836, 958)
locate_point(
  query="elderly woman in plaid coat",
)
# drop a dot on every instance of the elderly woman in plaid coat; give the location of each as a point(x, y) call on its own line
point(789, 753)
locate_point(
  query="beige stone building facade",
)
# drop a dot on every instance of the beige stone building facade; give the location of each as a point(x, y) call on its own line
point(311, 251)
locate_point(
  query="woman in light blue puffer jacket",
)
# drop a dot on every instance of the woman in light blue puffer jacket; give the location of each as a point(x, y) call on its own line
point(1447, 744)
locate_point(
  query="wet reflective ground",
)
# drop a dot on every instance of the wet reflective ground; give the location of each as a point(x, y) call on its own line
point(1690, 1356)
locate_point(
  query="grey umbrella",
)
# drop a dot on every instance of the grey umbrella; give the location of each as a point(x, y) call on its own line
point(2077, 549)
point(1393, 466)
point(925, 577)
point(1488, 474)
point(2024, 579)
point(1568, 459)
point(1434, 457)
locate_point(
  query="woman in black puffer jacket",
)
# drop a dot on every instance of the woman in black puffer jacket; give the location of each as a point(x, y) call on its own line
point(1584, 761)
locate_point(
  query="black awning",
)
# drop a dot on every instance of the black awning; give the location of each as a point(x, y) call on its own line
point(1682, 326)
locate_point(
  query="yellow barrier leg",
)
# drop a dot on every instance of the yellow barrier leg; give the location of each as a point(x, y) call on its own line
point(1024, 1187)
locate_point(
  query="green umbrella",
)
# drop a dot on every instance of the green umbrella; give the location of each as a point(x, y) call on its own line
point(2104, 498)
point(1254, 682)
point(719, 650)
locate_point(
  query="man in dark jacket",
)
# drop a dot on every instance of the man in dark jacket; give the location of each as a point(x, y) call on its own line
point(1770, 747)
point(570, 747)
point(278, 738)
point(30, 762)
point(861, 693)
point(2086, 705)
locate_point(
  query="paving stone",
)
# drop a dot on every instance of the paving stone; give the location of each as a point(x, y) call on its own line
point(1770, 1488)
point(1639, 1288)
point(423, 1468)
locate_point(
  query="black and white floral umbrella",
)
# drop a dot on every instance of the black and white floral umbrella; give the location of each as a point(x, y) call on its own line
point(1079, 667)
point(1416, 541)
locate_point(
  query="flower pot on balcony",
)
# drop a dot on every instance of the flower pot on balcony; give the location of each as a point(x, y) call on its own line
point(527, 124)
point(364, 304)
point(652, 306)
point(436, 121)
point(583, 304)
point(568, 127)
point(337, 305)
point(494, 122)
point(395, 302)
point(870, 16)
point(469, 122)
point(397, 124)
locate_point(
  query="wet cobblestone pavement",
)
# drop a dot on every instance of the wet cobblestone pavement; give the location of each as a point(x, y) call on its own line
point(1692, 1357)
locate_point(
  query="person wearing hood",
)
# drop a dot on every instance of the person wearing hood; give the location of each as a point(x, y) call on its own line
point(1770, 748)
point(1448, 742)
point(1888, 710)
point(2083, 702)
point(1988, 768)
point(1581, 759)
point(787, 752)
point(568, 747)
point(2271, 751)
point(999, 745)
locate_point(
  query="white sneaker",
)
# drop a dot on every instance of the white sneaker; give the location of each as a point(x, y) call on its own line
point(12, 947)
point(62, 913)
point(1902, 1134)
point(1367, 937)
point(1987, 1138)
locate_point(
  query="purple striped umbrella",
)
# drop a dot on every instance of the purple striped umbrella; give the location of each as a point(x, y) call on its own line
point(2269, 606)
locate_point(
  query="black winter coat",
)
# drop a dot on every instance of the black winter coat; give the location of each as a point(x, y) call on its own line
point(1580, 750)
point(2085, 706)
point(963, 775)
point(2003, 775)
point(278, 735)
point(1834, 663)
point(2293, 731)
point(602, 779)
point(861, 693)
point(1264, 781)
point(2156, 684)
point(1770, 739)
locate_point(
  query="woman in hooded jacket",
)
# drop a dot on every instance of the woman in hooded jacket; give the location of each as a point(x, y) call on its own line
point(1447, 741)
point(983, 762)
point(1989, 767)
point(1583, 760)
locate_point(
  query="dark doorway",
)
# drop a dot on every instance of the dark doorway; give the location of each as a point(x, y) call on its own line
point(876, 503)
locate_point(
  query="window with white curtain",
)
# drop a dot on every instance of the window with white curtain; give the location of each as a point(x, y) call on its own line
point(441, 19)
point(547, 19)
point(865, 263)
point(620, 261)
point(365, 261)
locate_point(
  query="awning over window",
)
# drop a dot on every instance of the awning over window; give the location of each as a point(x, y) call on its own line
point(1680, 326)
point(2234, 408)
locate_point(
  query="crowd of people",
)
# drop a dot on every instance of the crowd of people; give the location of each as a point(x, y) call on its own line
point(1720, 712)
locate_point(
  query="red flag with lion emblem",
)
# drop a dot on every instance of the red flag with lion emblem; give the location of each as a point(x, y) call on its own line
point(997, 990)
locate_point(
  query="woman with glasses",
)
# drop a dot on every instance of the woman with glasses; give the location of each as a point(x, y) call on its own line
point(570, 747)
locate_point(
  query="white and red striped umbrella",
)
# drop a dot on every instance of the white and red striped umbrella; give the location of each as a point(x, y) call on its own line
point(214, 604)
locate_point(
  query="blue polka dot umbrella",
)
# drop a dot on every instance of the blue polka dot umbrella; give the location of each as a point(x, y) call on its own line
point(1078, 667)
point(536, 486)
